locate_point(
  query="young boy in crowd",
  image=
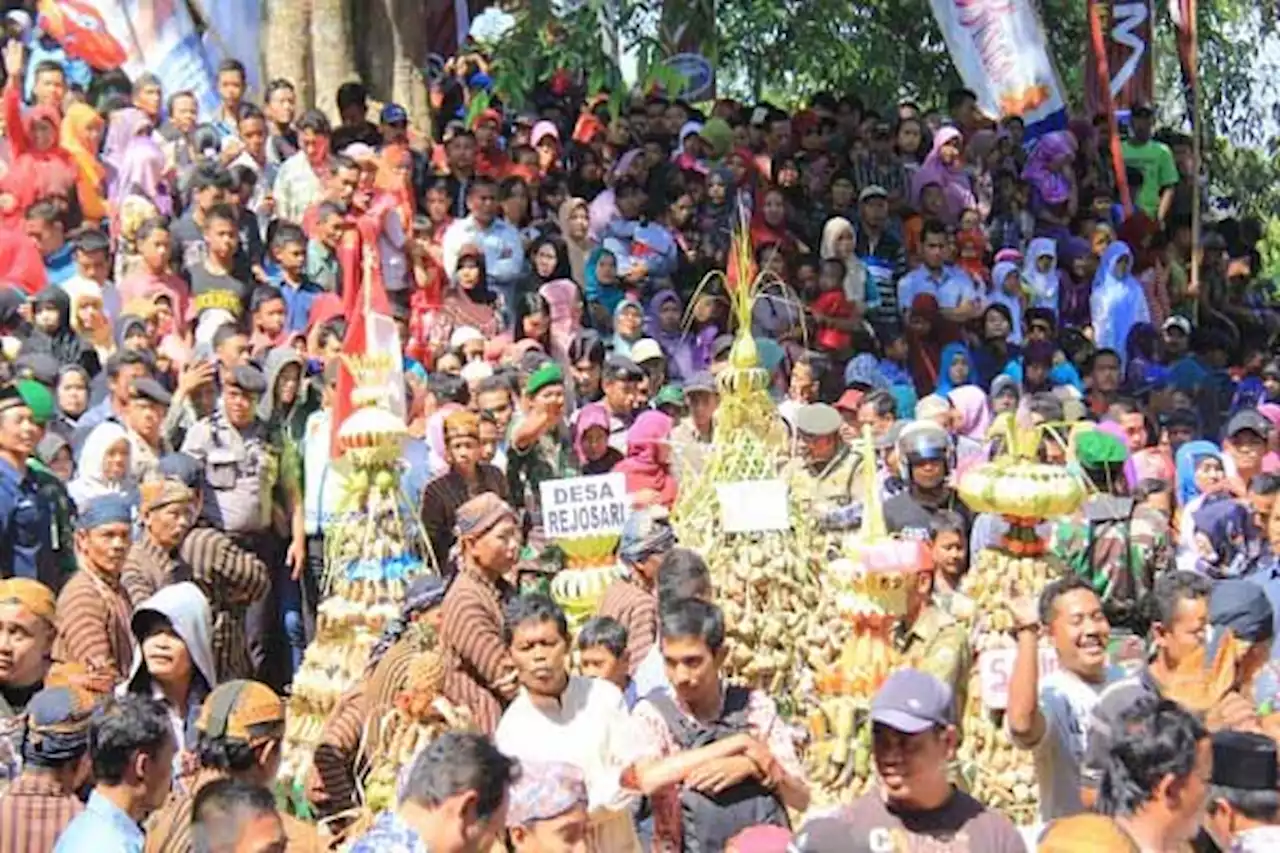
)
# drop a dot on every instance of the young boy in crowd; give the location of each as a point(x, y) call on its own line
point(602, 653)
point(950, 549)
point(214, 281)
point(322, 249)
point(834, 313)
point(267, 312)
point(289, 251)
point(45, 225)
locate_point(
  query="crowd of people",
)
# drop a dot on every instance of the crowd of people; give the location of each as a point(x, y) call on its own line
point(177, 291)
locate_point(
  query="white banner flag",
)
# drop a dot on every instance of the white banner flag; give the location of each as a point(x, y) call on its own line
point(999, 49)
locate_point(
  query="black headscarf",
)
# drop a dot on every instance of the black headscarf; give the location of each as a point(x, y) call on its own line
point(62, 343)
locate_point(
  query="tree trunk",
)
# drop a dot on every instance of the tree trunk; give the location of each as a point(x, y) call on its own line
point(334, 55)
point(407, 84)
point(286, 46)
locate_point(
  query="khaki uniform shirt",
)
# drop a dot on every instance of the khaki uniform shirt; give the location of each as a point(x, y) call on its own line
point(834, 484)
point(241, 469)
point(939, 645)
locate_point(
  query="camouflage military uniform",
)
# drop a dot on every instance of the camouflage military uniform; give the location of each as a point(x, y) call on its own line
point(937, 644)
point(1119, 548)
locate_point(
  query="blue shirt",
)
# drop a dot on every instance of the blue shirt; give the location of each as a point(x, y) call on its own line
point(60, 267)
point(77, 71)
point(103, 828)
point(952, 287)
point(297, 300)
point(389, 834)
point(26, 529)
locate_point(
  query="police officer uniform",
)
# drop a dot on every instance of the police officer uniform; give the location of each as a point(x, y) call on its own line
point(831, 484)
point(26, 517)
point(241, 465)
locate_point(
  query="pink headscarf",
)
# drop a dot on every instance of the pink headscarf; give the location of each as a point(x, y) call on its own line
point(957, 190)
point(565, 302)
point(1114, 429)
point(975, 412)
point(642, 467)
point(592, 415)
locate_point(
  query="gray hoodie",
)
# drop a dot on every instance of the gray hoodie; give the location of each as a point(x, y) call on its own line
point(187, 610)
point(277, 360)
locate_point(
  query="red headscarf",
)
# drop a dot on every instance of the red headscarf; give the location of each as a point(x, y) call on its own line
point(925, 351)
point(33, 175)
point(642, 467)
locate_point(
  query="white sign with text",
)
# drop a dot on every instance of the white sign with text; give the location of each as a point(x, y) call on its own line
point(584, 506)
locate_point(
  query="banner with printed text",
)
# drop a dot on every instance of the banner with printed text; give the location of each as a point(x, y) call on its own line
point(998, 47)
point(161, 36)
point(1129, 36)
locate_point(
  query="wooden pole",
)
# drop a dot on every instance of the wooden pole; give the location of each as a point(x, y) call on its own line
point(1108, 103)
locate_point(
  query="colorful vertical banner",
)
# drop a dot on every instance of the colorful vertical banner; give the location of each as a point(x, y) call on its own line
point(999, 49)
point(160, 36)
point(1128, 36)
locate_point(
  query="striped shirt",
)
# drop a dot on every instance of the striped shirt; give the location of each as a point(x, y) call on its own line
point(169, 830)
point(637, 610)
point(231, 578)
point(93, 616)
point(889, 174)
point(331, 781)
point(149, 568)
point(442, 497)
point(34, 812)
point(475, 656)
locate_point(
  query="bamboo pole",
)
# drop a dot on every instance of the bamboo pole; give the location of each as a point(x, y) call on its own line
point(1108, 103)
point(1193, 97)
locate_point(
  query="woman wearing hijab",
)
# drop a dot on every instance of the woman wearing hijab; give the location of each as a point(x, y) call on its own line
point(104, 467)
point(945, 167)
point(1198, 473)
point(174, 660)
point(61, 342)
point(591, 441)
point(1141, 351)
point(469, 301)
point(72, 398)
point(140, 172)
point(769, 225)
point(665, 324)
point(82, 130)
point(970, 402)
point(565, 303)
point(39, 168)
point(1118, 301)
point(549, 260)
point(1075, 283)
point(955, 368)
point(603, 209)
point(126, 126)
point(1040, 274)
point(926, 334)
point(628, 327)
point(575, 225)
point(1006, 291)
point(1052, 179)
point(840, 242)
point(648, 463)
point(603, 287)
point(994, 354)
point(1227, 544)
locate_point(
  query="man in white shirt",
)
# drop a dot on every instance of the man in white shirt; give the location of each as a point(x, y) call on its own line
point(561, 717)
point(498, 239)
point(1049, 716)
point(954, 290)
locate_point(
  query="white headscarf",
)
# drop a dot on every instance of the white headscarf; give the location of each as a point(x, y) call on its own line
point(90, 482)
point(855, 274)
point(1043, 285)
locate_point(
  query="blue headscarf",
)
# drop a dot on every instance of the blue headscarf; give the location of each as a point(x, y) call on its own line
point(1117, 303)
point(1236, 545)
point(1189, 455)
point(606, 295)
point(949, 354)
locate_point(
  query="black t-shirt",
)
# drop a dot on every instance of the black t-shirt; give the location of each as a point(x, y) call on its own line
point(216, 290)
